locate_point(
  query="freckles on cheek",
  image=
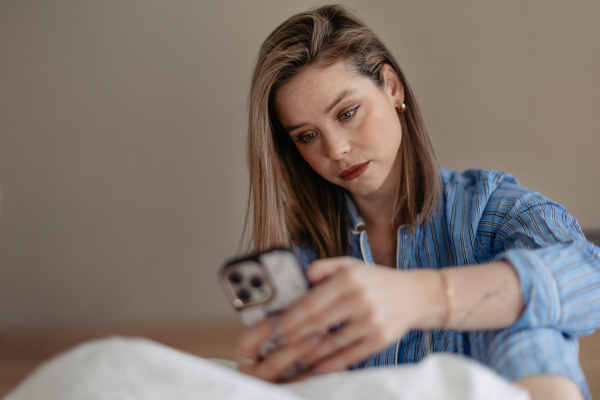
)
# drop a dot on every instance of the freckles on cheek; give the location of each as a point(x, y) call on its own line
point(376, 131)
point(385, 130)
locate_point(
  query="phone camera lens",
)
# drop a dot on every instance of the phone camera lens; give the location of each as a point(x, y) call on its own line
point(256, 282)
point(235, 278)
point(244, 295)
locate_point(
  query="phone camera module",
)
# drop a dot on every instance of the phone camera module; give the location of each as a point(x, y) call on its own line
point(244, 295)
point(235, 278)
point(256, 282)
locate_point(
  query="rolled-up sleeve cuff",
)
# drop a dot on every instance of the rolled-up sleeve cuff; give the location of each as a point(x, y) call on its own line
point(538, 288)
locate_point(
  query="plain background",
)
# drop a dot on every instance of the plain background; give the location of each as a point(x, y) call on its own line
point(122, 134)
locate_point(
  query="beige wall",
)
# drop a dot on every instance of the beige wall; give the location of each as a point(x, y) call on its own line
point(122, 126)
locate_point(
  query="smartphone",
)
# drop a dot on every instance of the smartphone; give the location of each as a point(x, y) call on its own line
point(263, 285)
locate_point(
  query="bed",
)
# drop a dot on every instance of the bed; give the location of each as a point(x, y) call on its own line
point(22, 351)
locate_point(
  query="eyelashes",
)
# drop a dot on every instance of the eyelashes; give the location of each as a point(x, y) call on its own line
point(346, 116)
point(306, 138)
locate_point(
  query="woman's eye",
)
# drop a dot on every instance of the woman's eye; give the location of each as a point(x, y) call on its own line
point(348, 114)
point(306, 138)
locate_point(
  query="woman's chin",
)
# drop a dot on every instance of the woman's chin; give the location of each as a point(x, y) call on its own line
point(362, 189)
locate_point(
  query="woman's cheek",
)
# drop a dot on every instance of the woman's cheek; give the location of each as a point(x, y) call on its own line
point(318, 163)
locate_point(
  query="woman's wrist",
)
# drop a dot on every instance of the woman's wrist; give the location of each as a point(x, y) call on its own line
point(432, 299)
point(469, 298)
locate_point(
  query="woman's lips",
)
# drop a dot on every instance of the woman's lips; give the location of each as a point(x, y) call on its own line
point(354, 171)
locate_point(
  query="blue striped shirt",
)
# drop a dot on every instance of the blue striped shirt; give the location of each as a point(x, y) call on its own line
point(486, 216)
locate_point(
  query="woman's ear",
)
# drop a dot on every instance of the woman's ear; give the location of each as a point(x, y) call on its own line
point(391, 84)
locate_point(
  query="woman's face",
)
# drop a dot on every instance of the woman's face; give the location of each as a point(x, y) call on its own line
point(345, 127)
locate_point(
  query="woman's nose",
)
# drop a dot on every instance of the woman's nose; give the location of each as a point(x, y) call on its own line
point(336, 146)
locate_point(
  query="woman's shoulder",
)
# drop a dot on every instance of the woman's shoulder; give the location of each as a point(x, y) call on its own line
point(474, 179)
point(489, 191)
point(484, 188)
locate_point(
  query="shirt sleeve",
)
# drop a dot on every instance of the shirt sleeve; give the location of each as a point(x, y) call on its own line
point(559, 271)
point(516, 354)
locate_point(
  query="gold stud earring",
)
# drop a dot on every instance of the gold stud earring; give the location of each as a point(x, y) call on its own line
point(400, 106)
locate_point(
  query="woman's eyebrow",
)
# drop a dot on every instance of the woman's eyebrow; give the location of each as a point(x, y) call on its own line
point(341, 96)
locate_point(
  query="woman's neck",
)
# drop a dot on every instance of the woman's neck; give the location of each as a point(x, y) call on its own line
point(377, 209)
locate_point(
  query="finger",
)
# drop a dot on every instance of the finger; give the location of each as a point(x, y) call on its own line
point(300, 315)
point(337, 341)
point(355, 344)
point(345, 358)
point(324, 268)
point(280, 360)
point(247, 367)
point(249, 343)
point(300, 377)
point(340, 309)
point(313, 312)
point(309, 306)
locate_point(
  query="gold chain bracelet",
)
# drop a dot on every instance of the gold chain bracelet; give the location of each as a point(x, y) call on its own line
point(449, 297)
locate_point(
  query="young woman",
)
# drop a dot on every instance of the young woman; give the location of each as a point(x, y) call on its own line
point(343, 171)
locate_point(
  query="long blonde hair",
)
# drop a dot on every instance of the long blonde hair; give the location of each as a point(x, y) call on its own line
point(288, 202)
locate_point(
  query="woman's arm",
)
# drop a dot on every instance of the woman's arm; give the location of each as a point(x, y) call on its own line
point(379, 305)
point(551, 280)
point(558, 270)
point(550, 387)
point(485, 297)
point(491, 296)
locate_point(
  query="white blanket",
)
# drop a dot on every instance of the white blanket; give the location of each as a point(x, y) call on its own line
point(126, 369)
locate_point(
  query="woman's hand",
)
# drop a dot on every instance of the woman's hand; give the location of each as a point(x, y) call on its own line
point(378, 305)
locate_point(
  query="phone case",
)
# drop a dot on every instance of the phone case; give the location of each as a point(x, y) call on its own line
point(283, 282)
